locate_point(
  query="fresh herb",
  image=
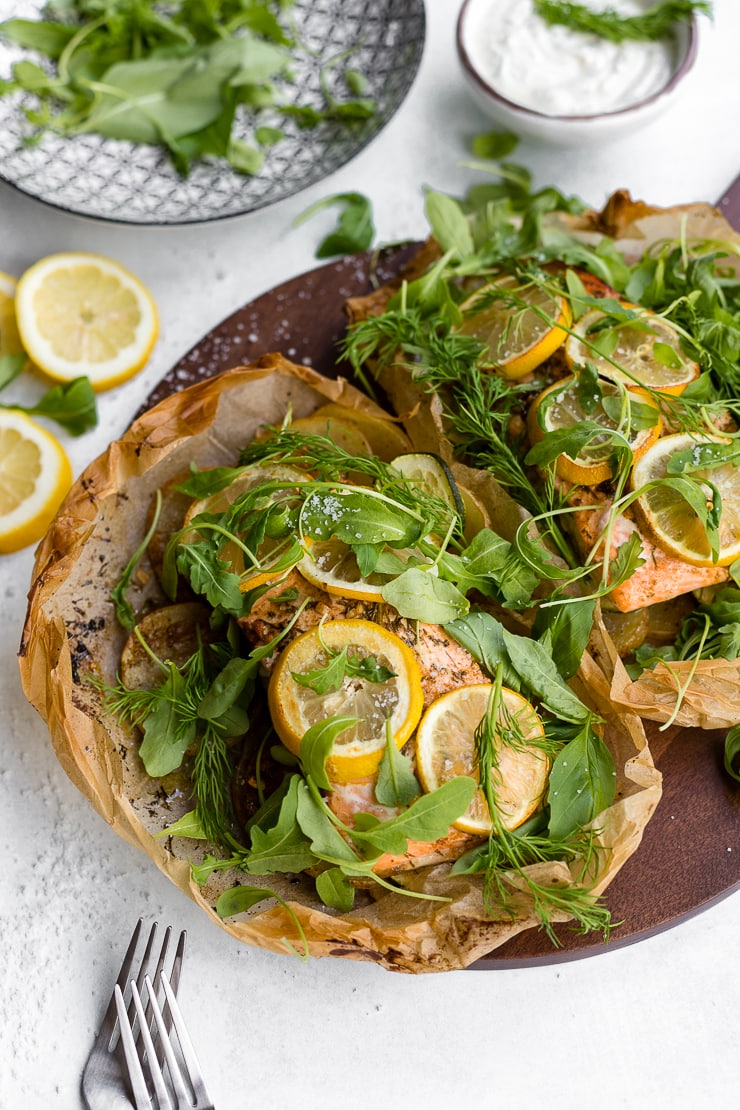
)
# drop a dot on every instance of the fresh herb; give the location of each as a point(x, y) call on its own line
point(341, 665)
point(71, 404)
point(354, 232)
point(655, 23)
point(121, 604)
point(176, 76)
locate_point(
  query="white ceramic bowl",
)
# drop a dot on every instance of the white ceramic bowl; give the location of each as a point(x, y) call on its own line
point(571, 129)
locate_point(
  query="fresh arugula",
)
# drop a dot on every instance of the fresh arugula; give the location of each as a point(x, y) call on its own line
point(355, 230)
point(176, 76)
point(655, 23)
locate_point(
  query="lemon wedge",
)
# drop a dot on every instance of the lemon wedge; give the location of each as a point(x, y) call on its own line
point(294, 708)
point(445, 749)
point(35, 474)
point(83, 314)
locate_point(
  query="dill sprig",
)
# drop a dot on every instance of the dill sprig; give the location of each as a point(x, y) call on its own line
point(509, 854)
point(655, 23)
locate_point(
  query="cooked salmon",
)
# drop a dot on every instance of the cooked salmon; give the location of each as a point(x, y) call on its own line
point(349, 799)
point(661, 577)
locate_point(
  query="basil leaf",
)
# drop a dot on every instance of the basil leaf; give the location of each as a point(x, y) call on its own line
point(582, 783)
point(335, 890)
point(419, 595)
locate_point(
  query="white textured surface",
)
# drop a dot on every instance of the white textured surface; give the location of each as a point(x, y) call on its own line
point(648, 1026)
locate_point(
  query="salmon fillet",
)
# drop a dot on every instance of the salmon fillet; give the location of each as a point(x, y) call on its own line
point(661, 577)
point(349, 799)
point(444, 664)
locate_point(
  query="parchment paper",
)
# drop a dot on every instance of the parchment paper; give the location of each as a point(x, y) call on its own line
point(71, 634)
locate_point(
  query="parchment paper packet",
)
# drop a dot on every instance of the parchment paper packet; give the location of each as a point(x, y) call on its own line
point(71, 634)
point(708, 689)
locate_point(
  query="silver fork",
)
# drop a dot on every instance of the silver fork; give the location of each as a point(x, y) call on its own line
point(142, 1053)
point(105, 1083)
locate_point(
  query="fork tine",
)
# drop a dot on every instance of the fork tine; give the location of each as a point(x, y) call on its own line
point(195, 1075)
point(154, 1068)
point(136, 1075)
point(183, 1096)
point(107, 1028)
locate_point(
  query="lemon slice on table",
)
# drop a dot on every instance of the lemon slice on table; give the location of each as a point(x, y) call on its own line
point(522, 325)
point(559, 407)
point(358, 750)
point(83, 314)
point(10, 340)
point(634, 359)
point(250, 478)
point(445, 749)
point(671, 521)
point(35, 474)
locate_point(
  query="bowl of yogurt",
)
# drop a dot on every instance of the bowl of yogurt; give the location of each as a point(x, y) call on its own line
point(563, 86)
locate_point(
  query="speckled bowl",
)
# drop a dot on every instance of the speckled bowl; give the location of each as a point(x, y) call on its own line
point(572, 130)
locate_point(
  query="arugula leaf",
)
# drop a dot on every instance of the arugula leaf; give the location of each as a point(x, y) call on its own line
point(189, 825)
point(483, 636)
point(540, 676)
point(397, 784)
point(568, 628)
point(240, 898)
point(326, 841)
point(355, 230)
point(335, 890)
point(284, 847)
point(358, 518)
point(317, 744)
point(10, 367)
point(494, 144)
point(449, 225)
point(167, 735)
point(71, 404)
point(427, 819)
point(211, 576)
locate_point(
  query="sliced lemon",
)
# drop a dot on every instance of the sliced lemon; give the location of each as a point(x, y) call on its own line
point(82, 314)
point(670, 519)
point(332, 565)
point(35, 475)
point(445, 749)
point(250, 478)
point(559, 407)
point(10, 340)
point(357, 751)
point(634, 360)
point(521, 325)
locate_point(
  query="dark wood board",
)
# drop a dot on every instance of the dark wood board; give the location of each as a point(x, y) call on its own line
point(690, 855)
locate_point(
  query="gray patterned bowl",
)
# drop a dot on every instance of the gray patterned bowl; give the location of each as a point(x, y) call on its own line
point(107, 179)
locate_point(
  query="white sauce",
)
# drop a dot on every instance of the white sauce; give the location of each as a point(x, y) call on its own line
point(560, 72)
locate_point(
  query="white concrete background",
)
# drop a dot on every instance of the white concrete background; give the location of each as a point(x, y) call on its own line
point(648, 1026)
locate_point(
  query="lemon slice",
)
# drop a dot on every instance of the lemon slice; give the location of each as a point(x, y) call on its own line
point(521, 329)
point(10, 340)
point(559, 407)
point(634, 360)
point(445, 749)
point(35, 474)
point(670, 519)
point(295, 708)
point(431, 474)
point(82, 314)
point(250, 478)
